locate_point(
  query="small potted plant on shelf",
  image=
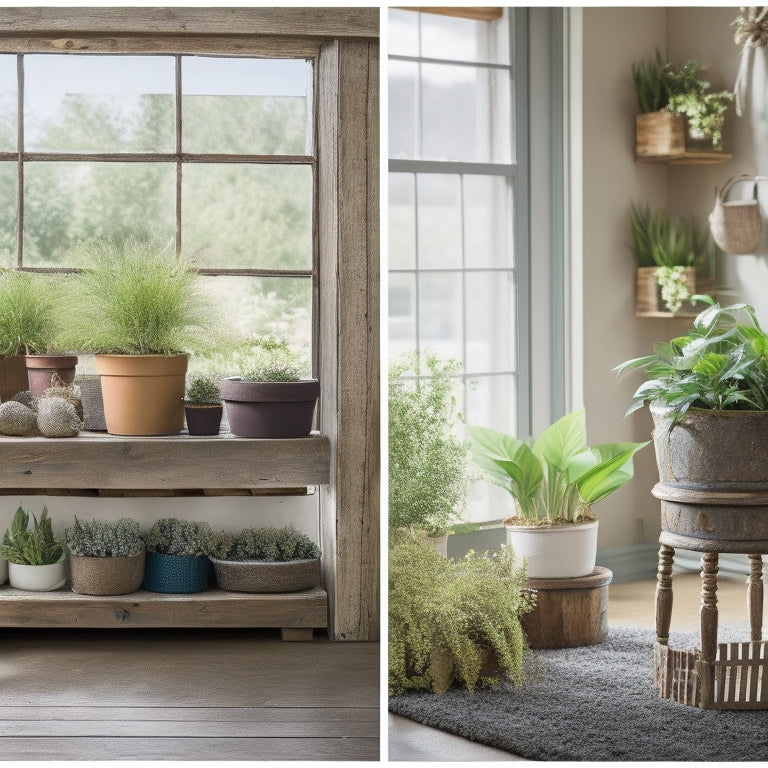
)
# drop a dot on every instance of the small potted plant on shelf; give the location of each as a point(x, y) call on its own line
point(29, 327)
point(177, 556)
point(268, 560)
point(37, 560)
point(428, 458)
point(107, 556)
point(202, 407)
point(270, 399)
point(454, 621)
point(675, 260)
point(141, 311)
point(554, 481)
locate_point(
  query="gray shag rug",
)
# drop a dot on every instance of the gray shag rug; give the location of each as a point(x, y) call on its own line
point(594, 703)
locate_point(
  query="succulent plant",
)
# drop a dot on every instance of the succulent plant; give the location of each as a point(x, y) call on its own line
point(203, 390)
point(32, 547)
point(171, 536)
point(272, 372)
point(274, 545)
point(105, 538)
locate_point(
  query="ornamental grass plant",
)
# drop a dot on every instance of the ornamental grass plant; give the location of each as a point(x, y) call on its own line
point(454, 621)
point(29, 313)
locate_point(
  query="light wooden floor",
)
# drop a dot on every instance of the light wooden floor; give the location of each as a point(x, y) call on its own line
point(629, 604)
point(185, 695)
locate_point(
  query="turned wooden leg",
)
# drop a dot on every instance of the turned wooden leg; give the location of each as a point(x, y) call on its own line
point(708, 617)
point(664, 594)
point(755, 597)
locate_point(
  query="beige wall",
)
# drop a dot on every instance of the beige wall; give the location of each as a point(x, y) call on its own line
point(612, 39)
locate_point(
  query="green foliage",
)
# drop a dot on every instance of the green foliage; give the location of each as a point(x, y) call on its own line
point(705, 113)
point(720, 364)
point(28, 313)
point(136, 299)
point(558, 477)
point(37, 546)
point(171, 536)
point(650, 85)
point(270, 359)
point(274, 545)
point(105, 538)
point(203, 390)
point(446, 615)
point(428, 461)
point(272, 372)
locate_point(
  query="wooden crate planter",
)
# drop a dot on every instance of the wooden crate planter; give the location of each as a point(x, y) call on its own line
point(737, 679)
point(659, 134)
point(648, 302)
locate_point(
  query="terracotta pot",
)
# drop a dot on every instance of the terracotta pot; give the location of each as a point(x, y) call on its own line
point(13, 376)
point(258, 576)
point(281, 409)
point(106, 575)
point(143, 394)
point(203, 419)
point(41, 369)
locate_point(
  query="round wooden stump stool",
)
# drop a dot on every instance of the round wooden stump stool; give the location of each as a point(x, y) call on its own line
point(568, 612)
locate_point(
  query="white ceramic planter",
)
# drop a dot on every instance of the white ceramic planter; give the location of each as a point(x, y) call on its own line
point(559, 552)
point(38, 578)
point(3, 571)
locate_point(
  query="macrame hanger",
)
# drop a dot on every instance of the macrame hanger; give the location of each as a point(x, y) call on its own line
point(752, 34)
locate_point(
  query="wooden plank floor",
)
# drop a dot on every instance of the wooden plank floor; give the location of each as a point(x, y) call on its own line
point(144, 694)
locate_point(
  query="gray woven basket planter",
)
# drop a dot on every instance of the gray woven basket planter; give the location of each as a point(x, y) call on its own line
point(258, 576)
point(106, 575)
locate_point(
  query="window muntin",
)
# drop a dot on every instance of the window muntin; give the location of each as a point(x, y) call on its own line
point(215, 153)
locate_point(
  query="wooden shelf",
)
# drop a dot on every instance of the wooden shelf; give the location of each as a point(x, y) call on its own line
point(689, 157)
point(668, 315)
point(98, 460)
point(296, 613)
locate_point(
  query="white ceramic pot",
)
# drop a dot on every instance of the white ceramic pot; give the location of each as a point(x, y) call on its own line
point(38, 578)
point(3, 571)
point(557, 552)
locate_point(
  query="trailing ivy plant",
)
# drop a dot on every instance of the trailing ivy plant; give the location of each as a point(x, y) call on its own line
point(447, 616)
point(35, 546)
point(720, 364)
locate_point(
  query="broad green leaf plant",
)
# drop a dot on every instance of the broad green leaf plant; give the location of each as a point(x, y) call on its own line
point(721, 364)
point(556, 478)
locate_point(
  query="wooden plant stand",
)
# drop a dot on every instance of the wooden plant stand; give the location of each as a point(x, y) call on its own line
point(569, 612)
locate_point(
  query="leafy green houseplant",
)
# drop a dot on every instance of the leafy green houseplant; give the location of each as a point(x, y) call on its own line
point(202, 406)
point(554, 481)
point(142, 311)
point(670, 253)
point(268, 560)
point(37, 559)
point(177, 555)
point(270, 398)
point(107, 556)
point(454, 621)
point(428, 457)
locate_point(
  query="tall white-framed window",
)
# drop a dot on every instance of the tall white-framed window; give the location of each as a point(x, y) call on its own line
point(458, 255)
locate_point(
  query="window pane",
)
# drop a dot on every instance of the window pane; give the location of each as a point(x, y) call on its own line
point(440, 313)
point(258, 306)
point(252, 216)
point(490, 317)
point(99, 103)
point(403, 33)
point(246, 106)
point(8, 186)
point(68, 202)
point(402, 221)
point(402, 313)
point(488, 225)
point(458, 122)
point(8, 104)
point(439, 217)
point(491, 403)
point(446, 37)
point(403, 105)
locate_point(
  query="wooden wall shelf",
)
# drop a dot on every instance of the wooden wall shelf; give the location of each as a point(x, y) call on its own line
point(689, 157)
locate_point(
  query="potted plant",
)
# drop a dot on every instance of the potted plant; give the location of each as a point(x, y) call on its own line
point(671, 254)
point(428, 458)
point(177, 556)
point(268, 560)
point(270, 399)
point(29, 311)
point(107, 556)
point(454, 621)
point(676, 108)
point(37, 560)
point(554, 481)
point(141, 312)
point(202, 407)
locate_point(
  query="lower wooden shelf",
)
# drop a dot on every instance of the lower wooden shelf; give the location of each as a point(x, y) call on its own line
point(295, 613)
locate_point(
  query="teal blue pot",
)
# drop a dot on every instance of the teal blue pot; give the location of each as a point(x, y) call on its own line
point(176, 574)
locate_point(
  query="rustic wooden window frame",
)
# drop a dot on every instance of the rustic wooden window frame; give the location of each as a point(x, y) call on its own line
point(344, 42)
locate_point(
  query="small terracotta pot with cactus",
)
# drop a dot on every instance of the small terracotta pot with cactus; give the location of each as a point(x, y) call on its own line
point(202, 407)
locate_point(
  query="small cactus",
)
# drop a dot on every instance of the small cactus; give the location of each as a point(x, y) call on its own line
point(203, 390)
